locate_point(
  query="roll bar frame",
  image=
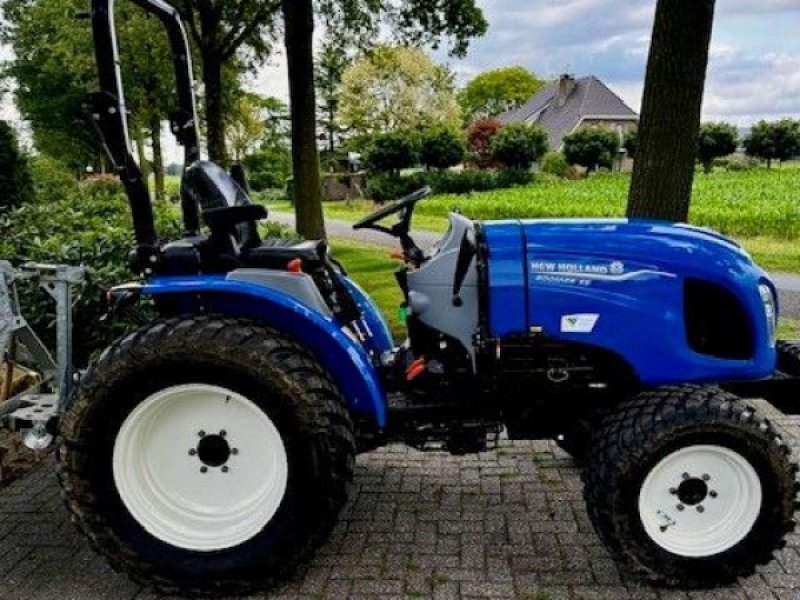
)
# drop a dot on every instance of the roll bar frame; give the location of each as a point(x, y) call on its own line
point(110, 117)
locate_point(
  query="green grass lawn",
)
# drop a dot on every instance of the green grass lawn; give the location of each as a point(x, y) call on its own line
point(760, 208)
point(371, 267)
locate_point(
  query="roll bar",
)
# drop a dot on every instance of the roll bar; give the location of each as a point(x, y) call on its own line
point(109, 114)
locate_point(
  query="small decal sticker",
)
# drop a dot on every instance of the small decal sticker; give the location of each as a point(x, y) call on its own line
point(579, 323)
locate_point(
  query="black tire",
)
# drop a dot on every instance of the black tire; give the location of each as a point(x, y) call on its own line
point(635, 436)
point(277, 375)
point(789, 358)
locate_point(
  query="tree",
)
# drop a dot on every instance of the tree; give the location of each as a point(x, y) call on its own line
point(329, 67)
point(392, 151)
point(479, 141)
point(299, 25)
point(591, 147)
point(16, 186)
point(245, 125)
point(661, 187)
point(54, 77)
point(417, 21)
point(774, 141)
point(519, 145)
point(223, 32)
point(397, 87)
point(715, 141)
point(496, 91)
point(441, 148)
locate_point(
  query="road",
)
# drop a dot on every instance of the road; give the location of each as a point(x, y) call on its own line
point(788, 284)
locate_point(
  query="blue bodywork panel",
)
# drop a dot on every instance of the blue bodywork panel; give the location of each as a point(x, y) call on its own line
point(619, 286)
point(347, 360)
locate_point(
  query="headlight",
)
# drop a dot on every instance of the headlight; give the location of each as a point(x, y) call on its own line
point(770, 310)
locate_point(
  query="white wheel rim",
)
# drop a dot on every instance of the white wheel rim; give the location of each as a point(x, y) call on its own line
point(171, 481)
point(707, 513)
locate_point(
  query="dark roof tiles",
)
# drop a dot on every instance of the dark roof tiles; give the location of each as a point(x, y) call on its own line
point(589, 98)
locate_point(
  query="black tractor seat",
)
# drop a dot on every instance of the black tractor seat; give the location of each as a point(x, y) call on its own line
point(195, 255)
point(209, 194)
point(278, 253)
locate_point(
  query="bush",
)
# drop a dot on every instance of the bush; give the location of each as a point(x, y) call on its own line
point(441, 148)
point(715, 141)
point(16, 186)
point(385, 188)
point(631, 143)
point(509, 178)
point(267, 169)
point(91, 227)
point(391, 152)
point(554, 163)
point(382, 188)
point(591, 147)
point(737, 163)
point(479, 141)
point(519, 145)
point(52, 180)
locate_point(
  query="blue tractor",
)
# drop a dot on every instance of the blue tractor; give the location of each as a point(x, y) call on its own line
point(211, 449)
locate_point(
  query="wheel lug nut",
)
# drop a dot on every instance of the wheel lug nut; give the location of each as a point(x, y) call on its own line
point(713, 494)
point(234, 451)
point(700, 508)
point(685, 476)
point(673, 491)
point(223, 433)
point(192, 451)
point(706, 477)
point(203, 469)
point(225, 469)
point(201, 433)
point(681, 507)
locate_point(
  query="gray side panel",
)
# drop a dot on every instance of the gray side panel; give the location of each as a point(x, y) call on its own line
point(431, 288)
point(297, 285)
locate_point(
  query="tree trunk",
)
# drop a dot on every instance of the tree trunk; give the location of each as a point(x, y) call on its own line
point(158, 157)
point(215, 122)
point(673, 94)
point(299, 23)
point(138, 138)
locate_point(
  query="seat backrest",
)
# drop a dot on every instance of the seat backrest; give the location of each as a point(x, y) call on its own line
point(210, 187)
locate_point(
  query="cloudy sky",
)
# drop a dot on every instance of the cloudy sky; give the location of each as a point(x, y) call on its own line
point(754, 71)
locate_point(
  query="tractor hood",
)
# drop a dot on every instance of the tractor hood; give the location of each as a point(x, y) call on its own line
point(671, 246)
point(632, 287)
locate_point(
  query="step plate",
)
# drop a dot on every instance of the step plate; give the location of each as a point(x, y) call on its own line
point(36, 408)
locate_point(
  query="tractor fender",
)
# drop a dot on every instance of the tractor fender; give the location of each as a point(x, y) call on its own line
point(344, 358)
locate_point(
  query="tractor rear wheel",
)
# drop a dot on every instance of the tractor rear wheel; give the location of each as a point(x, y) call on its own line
point(206, 455)
point(690, 486)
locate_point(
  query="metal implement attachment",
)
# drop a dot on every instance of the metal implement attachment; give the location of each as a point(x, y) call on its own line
point(32, 410)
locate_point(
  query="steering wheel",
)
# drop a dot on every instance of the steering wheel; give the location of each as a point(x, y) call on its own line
point(405, 206)
point(370, 221)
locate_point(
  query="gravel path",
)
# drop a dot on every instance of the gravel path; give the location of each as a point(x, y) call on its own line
point(788, 284)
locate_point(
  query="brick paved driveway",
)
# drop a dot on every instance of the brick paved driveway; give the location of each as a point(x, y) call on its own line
point(504, 524)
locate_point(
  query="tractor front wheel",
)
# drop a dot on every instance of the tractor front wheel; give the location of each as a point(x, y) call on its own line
point(206, 455)
point(690, 486)
point(789, 358)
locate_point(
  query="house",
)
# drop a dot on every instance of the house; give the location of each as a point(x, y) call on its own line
point(568, 104)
